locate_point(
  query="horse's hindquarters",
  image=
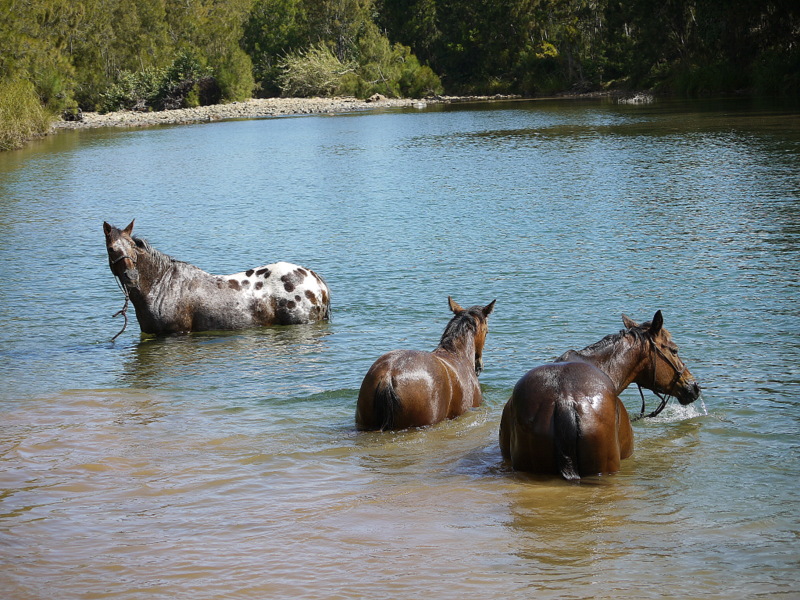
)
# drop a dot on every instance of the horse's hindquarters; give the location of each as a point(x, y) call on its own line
point(402, 389)
point(523, 442)
point(552, 427)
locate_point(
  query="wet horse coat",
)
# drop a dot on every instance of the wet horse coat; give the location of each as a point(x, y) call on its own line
point(172, 296)
point(566, 417)
point(412, 388)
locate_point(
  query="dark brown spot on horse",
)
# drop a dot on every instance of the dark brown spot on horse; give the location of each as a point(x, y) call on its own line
point(290, 280)
point(249, 272)
point(233, 284)
point(262, 312)
point(312, 297)
point(259, 285)
point(265, 273)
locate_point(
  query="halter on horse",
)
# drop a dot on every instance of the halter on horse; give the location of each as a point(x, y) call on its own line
point(566, 417)
point(411, 388)
point(171, 296)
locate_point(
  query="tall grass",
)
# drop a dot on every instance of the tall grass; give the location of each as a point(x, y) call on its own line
point(22, 115)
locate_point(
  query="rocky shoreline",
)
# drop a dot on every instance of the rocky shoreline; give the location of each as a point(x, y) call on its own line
point(255, 108)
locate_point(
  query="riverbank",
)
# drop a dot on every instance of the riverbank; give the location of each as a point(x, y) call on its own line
point(255, 108)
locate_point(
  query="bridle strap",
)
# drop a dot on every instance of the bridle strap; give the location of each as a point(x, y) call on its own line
point(123, 257)
point(665, 397)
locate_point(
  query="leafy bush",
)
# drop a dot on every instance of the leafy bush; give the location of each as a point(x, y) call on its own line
point(234, 76)
point(540, 70)
point(380, 68)
point(313, 72)
point(415, 80)
point(22, 115)
point(133, 91)
point(184, 83)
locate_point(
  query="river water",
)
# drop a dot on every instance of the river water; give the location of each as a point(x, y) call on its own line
point(226, 465)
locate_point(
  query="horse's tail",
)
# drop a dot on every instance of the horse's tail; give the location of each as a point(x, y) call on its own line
point(325, 309)
point(386, 406)
point(567, 429)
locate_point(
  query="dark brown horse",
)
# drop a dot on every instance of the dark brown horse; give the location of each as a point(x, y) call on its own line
point(171, 296)
point(566, 417)
point(411, 388)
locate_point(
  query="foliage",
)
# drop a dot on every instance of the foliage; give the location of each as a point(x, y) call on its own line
point(375, 66)
point(22, 115)
point(312, 72)
point(274, 28)
point(234, 75)
point(184, 83)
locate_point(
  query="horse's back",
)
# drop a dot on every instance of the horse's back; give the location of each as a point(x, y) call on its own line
point(560, 418)
point(411, 385)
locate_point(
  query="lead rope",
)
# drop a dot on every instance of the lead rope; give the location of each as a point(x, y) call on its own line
point(657, 411)
point(124, 310)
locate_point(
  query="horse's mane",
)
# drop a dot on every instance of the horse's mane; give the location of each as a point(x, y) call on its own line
point(160, 259)
point(639, 334)
point(462, 324)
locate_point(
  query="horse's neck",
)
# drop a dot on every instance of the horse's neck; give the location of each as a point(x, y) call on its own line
point(463, 350)
point(161, 274)
point(622, 361)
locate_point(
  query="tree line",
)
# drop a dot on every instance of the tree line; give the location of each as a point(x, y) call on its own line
point(150, 54)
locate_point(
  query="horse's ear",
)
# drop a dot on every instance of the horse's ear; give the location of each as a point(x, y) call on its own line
point(107, 228)
point(628, 322)
point(454, 306)
point(129, 228)
point(657, 323)
point(487, 310)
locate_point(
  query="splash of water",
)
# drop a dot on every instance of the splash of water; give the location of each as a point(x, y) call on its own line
point(676, 412)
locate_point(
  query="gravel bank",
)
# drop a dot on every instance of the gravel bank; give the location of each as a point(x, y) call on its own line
point(259, 107)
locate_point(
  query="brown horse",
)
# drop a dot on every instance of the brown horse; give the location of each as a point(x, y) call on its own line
point(566, 417)
point(411, 388)
point(171, 296)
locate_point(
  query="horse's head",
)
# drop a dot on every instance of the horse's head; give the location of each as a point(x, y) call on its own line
point(479, 315)
point(666, 373)
point(122, 254)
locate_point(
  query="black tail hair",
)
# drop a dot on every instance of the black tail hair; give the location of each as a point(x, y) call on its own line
point(386, 407)
point(567, 429)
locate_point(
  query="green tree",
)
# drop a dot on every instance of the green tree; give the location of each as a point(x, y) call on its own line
point(274, 28)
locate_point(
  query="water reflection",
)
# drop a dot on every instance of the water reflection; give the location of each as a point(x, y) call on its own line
point(269, 357)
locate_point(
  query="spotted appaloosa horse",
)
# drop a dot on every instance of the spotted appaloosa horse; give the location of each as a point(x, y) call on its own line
point(411, 388)
point(171, 296)
point(566, 417)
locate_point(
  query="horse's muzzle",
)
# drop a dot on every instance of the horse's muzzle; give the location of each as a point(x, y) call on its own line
point(689, 393)
point(130, 277)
